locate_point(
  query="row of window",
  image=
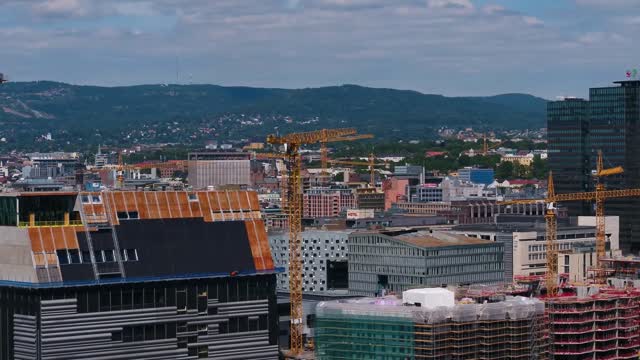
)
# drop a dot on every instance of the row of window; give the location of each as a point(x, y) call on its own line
point(74, 256)
point(91, 199)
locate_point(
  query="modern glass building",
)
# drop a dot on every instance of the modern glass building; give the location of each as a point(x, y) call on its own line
point(569, 152)
point(577, 129)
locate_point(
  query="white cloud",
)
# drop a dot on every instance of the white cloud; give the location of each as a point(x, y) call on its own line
point(62, 8)
point(599, 37)
point(450, 4)
point(420, 44)
point(608, 4)
point(532, 20)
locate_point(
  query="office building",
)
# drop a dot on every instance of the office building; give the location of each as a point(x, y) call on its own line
point(52, 165)
point(383, 261)
point(467, 212)
point(429, 324)
point(577, 129)
point(324, 255)
point(525, 246)
point(569, 151)
point(136, 275)
point(425, 193)
point(476, 175)
point(218, 169)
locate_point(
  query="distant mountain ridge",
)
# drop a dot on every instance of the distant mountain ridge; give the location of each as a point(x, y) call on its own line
point(380, 111)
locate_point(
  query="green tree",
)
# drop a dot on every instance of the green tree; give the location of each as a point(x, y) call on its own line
point(539, 168)
point(464, 160)
point(520, 171)
point(504, 170)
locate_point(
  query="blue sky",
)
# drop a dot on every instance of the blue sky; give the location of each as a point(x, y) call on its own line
point(453, 47)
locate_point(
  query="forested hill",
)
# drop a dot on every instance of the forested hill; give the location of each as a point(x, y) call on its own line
point(231, 112)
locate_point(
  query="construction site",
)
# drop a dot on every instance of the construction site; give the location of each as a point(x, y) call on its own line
point(598, 326)
point(431, 324)
point(538, 317)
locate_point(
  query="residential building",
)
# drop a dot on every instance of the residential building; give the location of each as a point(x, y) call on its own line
point(599, 326)
point(476, 175)
point(136, 275)
point(578, 129)
point(428, 324)
point(324, 256)
point(395, 261)
point(103, 159)
point(219, 168)
point(327, 202)
point(394, 191)
point(522, 159)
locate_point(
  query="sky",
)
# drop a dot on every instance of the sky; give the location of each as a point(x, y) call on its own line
point(548, 48)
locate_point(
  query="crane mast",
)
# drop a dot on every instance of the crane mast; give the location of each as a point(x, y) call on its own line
point(294, 208)
point(598, 197)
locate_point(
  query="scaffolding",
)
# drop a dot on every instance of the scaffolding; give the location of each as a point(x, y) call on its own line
point(382, 328)
point(600, 326)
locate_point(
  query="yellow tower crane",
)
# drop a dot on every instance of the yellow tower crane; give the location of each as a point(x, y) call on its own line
point(328, 135)
point(370, 163)
point(551, 223)
point(486, 147)
point(292, 143)
point(600, 219)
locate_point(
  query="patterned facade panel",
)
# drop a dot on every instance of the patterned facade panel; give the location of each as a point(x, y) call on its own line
point(225, 318)
point(25, 337)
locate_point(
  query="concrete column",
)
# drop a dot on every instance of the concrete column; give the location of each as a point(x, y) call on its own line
point(66, 218)
point(32, 219)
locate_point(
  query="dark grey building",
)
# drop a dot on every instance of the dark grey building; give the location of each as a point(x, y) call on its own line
point(135, 275)
point(577, 129)
point(399, 260)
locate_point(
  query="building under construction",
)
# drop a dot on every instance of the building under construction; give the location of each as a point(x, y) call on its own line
point(136, 275)
point(428, 324)
point(599, 326)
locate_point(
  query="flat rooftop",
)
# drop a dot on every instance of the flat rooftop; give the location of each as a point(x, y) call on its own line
point(425, 238)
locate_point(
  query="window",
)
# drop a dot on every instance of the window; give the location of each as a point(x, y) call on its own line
point(109, 256)
point(193, 197)
point(98, 255)
point(74, 256)
point(122, 215)
point(86, 256)
point(132, 255)
point(63, 257)
point(85, 199)
point(96, 199)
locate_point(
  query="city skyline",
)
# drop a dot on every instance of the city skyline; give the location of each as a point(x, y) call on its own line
point(450, 47)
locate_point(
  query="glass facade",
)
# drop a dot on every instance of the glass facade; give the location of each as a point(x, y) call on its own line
point(577, 129)
point(567, 132)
